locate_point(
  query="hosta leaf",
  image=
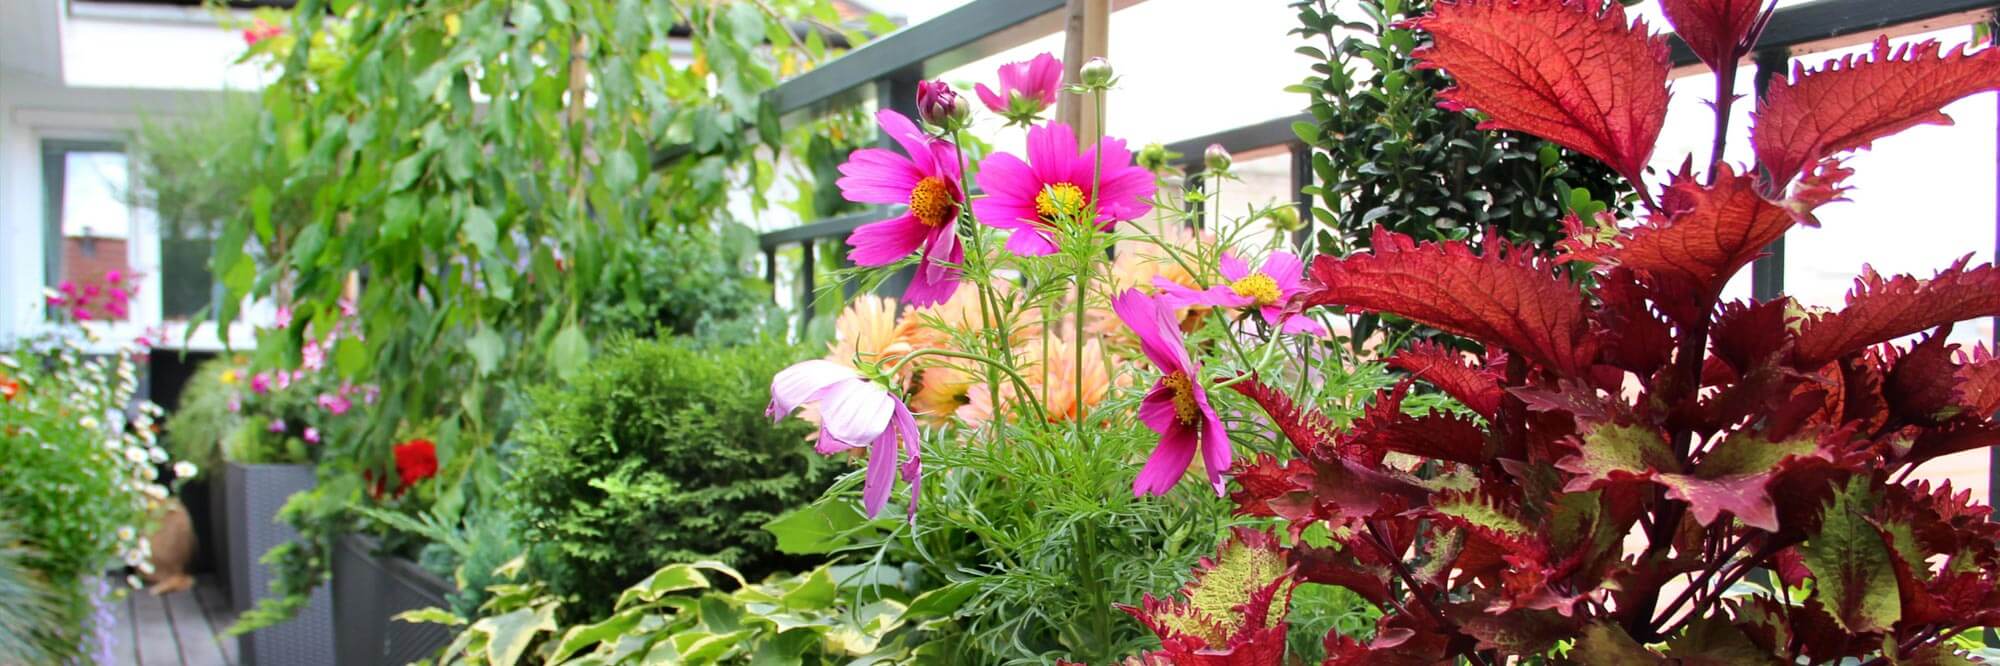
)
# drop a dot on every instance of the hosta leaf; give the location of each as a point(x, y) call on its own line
point(1510, 296)
point(1558, 69)
point(1881, 309)
point(1851, 566)
point(1718, 31)
point(508, 635)
point(1851, 102)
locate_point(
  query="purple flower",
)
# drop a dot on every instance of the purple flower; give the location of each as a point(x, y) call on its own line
point(1056, 183)
point(1177, 407)
point(276, 425)
point(1267, 289)
point(1026, 89)
point(334, 404)
point(854, 413)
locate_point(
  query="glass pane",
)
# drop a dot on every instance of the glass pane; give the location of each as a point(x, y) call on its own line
point(92, 261)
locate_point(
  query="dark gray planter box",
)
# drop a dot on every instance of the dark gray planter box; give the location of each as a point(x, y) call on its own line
point(253, 496)
point(369, 590)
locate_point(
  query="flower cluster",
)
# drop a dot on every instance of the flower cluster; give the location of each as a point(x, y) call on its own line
point(1013, 317)
point(107, 298)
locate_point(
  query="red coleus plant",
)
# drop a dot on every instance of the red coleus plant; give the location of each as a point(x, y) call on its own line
point(1632, 446)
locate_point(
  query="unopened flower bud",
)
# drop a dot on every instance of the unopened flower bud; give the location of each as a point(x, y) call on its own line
point(1284, 219)
point(939, 106)
point(1096, 73)
point(1216, 158)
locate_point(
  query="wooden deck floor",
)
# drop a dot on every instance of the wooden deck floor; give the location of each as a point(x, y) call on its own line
point(179, 629)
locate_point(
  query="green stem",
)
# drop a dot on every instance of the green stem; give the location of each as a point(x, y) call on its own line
point(991, 364)
point(981, 282)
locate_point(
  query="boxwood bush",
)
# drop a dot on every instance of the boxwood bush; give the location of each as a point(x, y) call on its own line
point(659, 453)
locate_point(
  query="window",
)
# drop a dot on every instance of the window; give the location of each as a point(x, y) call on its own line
point(86, 241)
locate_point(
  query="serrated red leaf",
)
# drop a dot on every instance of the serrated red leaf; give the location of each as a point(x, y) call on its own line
point(1922, 383)
point(1636, 340)
point(1746, 335)
point(1707, 233)
point(1851, 102)
point(1979, 381)
point(1446, 368)
point(1438, 435)
point(1338, 567)
point(1882, 309)
point(1558, 69)
point(1310, 431)
point(1510, 296)
point(1717, 31)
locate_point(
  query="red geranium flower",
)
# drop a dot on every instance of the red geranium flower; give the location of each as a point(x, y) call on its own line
point(416, 460)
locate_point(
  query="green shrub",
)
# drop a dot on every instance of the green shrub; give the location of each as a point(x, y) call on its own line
point(660, 453)
point(32, 612)
point(682, 282)
point(203, 420)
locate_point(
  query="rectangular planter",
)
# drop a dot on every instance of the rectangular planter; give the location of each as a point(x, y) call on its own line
point(369, 590)
point(358, 587)
point(253, 496)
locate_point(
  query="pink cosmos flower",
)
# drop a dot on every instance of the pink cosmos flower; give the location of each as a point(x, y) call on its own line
point(1267, 289)
point(312, 435)
point(1026, 89)
point(854, 413)
point(260, 383)
point(276, 425)
point(334, 404)
point(926, 180)
point(1056, 183)
point(1177, 407)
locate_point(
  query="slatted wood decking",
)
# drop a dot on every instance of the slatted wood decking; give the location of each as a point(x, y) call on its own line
point(179, 629)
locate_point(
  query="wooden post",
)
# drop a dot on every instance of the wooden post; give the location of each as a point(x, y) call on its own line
point(1087, 34)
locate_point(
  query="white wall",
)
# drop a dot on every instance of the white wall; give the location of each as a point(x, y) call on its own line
point(107, 68)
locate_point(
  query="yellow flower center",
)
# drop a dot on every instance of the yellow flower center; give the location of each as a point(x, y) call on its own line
point(1257, 287)
point(931, 201)
point(1058, 201)
point(1185, 408)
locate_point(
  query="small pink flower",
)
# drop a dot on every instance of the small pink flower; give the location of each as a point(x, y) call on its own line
point(1056, 183)
point(334, 404)
point(67, 287)
point(312, 356)
point(260, 383)
point(235, 404)
point(114, 276)
point(855, 413)
point(119, 296)
point(276, 425)
point(1026, 89)
point(54, 300)
point(79, 313)
point(284, 317)
point(1177, 407)
point(1267, 289)
point(260, 30)
point(312, 435)
point(926, 180)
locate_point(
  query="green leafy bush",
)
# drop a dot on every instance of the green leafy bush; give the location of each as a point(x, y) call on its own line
point(659, 453)
point(680, 282)
point(830, 615)
point(204, 419)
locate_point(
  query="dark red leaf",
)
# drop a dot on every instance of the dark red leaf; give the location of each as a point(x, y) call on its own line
point(1635, 339)
point(1747, 335)
point(1311, 432)
point(1922, 385)
point(1706, 235)
point(1510, 296)
point(1882, 309)
point(1558, 69)
point(1963, 435)
point(1718, 31)
point(1979, 382)
point(1333, 566)
point(1446, 368)
point(1851, 102)
point(1438, 435)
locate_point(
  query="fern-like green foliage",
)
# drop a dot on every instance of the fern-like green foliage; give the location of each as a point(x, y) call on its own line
point(33, 612)
point(660, 453)
point(203, 420)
